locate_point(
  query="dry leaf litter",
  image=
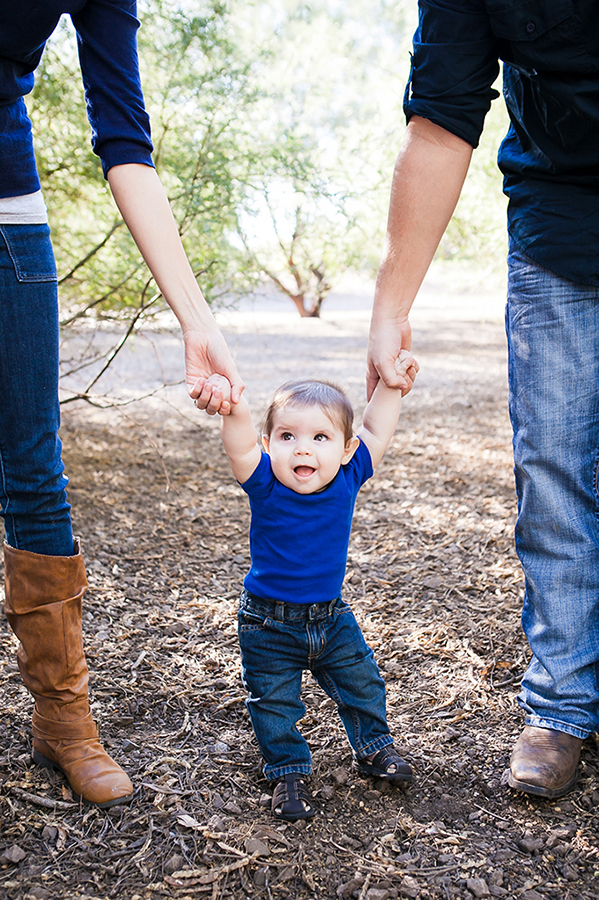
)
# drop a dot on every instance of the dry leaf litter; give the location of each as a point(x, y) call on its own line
point(435, 583)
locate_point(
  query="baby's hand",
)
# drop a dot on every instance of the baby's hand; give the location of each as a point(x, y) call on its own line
point(406, 365)
point(215, 395)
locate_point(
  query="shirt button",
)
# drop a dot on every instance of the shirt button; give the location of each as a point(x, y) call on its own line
point(531, 27)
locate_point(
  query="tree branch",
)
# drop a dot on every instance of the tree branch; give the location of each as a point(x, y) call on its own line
point(92, 252)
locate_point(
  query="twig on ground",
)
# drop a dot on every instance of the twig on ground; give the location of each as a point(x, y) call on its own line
point(46, 802)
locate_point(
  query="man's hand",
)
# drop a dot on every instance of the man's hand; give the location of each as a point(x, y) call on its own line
point(407, 367)
point(382, 410)
point(388, 359)
point(427, 181)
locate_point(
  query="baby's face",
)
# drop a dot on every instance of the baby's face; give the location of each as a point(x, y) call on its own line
point(306, 448)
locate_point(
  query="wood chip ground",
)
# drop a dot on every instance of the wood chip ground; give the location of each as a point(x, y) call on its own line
point(435, 583)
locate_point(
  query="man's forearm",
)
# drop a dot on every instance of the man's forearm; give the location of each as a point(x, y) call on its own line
point(427, 181)
point(428, 177)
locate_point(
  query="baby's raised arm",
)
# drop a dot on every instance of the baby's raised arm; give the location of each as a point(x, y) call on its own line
point(382, 411)
point(240, 439)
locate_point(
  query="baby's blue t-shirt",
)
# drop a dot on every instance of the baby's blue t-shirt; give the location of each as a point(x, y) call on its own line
point(299, 542)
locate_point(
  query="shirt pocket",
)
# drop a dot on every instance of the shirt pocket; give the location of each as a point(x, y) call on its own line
point(525, 21)
point(539, 42)
point(536, 36)
point(30, 250)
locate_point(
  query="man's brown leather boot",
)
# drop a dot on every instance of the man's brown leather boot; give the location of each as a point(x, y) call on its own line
point(544, 762)
point(43, 607)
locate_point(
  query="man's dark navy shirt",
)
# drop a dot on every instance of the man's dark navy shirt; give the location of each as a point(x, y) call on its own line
point(550, 156)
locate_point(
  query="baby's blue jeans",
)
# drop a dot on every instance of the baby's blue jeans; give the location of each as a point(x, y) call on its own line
point(278, 642)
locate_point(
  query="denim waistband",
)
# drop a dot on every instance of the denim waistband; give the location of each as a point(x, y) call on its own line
point(287, 612)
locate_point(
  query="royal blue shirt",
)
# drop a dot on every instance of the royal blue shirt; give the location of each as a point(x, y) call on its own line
point(299, 542)
point(550, 156)
point(107, 44)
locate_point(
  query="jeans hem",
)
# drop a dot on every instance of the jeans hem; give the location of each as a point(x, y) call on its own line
point(273, 774)
point(374, 746)
point(557, 725)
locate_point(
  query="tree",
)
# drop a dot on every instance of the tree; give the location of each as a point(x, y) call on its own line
point(197, 87)
point(276, 125)
point(332, 102)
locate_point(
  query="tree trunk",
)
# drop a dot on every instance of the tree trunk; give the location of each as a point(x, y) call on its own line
point(304, 311)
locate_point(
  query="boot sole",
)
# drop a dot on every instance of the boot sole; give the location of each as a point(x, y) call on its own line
point(538, 790)
point(46, 763)
point(374, 772)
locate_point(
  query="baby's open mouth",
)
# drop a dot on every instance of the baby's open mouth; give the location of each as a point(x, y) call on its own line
point(304, 471)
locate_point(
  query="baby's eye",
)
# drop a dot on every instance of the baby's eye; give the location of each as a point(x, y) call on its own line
point(320, 437)
point(286, 436)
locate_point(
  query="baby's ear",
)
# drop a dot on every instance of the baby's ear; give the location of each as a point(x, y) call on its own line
point(266, 442)
point(350, 449)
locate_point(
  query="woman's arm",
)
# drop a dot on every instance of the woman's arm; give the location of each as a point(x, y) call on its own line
point(144, 206)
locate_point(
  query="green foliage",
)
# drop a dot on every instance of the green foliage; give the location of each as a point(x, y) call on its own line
point(197, 88)
point(332, 99)
point(276, 125)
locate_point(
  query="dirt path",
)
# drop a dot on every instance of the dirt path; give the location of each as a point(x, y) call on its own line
point(434, 581)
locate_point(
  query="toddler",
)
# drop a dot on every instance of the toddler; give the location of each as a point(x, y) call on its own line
point(302, 489)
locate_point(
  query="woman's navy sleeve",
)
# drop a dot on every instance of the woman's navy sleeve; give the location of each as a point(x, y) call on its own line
point(107, 43)
point(454, 64)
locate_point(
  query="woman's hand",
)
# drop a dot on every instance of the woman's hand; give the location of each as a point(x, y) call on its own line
point(206, 355)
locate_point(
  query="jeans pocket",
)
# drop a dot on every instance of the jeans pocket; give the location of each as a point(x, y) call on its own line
point(250, 621)
point(341, 608)
point(30, 250)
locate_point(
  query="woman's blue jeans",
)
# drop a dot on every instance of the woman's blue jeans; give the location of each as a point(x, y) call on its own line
point(278, 641)
point(33, 496)
point(553, 340)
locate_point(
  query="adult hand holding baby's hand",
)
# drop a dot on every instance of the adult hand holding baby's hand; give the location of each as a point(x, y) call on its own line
point(407, 366)
point(389, 341)
point(213, 394)
point(207, 354)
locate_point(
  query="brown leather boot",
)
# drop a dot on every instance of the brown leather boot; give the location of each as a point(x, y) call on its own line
point(544, 762)
point(43, 607)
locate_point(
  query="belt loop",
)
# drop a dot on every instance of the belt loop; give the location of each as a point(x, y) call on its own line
point(332, 606)
point(279, 611)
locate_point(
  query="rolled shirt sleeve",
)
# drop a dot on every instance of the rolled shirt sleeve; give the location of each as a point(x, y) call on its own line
point(454, 64)
point(107, 43)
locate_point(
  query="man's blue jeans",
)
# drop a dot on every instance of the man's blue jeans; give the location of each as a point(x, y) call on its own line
point(32, 482)
point(278, 641)
point(553, 340)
